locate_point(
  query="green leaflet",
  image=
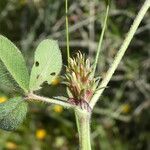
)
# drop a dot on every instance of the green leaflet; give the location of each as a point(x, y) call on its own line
point(7, 83)
point(47, 64)
point(12, 113)
point(12, 60)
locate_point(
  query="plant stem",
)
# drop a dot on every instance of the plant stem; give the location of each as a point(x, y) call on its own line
point(83, 125)
point(67, 30)
point(121, 52)
point(32, 96)
point(100, 41)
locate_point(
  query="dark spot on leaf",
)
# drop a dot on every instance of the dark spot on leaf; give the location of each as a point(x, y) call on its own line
point(53, 74)
point(36, 63)
point(37, 76)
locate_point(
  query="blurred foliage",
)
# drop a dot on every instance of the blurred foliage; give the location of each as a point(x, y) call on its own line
point(122, 118)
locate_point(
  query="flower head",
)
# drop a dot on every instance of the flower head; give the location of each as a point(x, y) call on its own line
point(125, 108)
point(56, 81)
point(11, 145)
point(79, 78)
point(41, 134)
point(3, 99)
point(58, 108)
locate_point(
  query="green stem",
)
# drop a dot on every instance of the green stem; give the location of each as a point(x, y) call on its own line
point(121, 52)
point(32, 96)
point(67, 30)
point(100, 41)
point(83, 125)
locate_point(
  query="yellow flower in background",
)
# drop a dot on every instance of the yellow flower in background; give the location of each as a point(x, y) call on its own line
point(3, 99)
point(125, 108)
point(41, 134)
point(11, 146)
point(56, 81)
point(58, 108)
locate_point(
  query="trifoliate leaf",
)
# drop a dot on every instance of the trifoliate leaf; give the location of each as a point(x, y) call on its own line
point(12, 60)
point(12, 113)
point(47, 64)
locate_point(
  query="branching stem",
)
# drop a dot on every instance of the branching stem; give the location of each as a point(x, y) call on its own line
point(32, 96)
point(121, 52)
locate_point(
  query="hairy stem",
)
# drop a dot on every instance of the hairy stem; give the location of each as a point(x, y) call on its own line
point(100, 41)
point(83, 125)
point(121, 52)
point(32, 96)
point(67, 30)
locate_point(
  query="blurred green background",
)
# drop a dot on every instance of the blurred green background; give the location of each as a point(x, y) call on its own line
point(121, 119)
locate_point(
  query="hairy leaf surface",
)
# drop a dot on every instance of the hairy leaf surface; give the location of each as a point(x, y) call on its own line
point(7, 83)
point(47, 64)
point(12, 60)
point(12, 113)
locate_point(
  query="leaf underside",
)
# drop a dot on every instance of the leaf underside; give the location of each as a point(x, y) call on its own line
point(12, 113)
point(47, 64)
point(12, 63)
